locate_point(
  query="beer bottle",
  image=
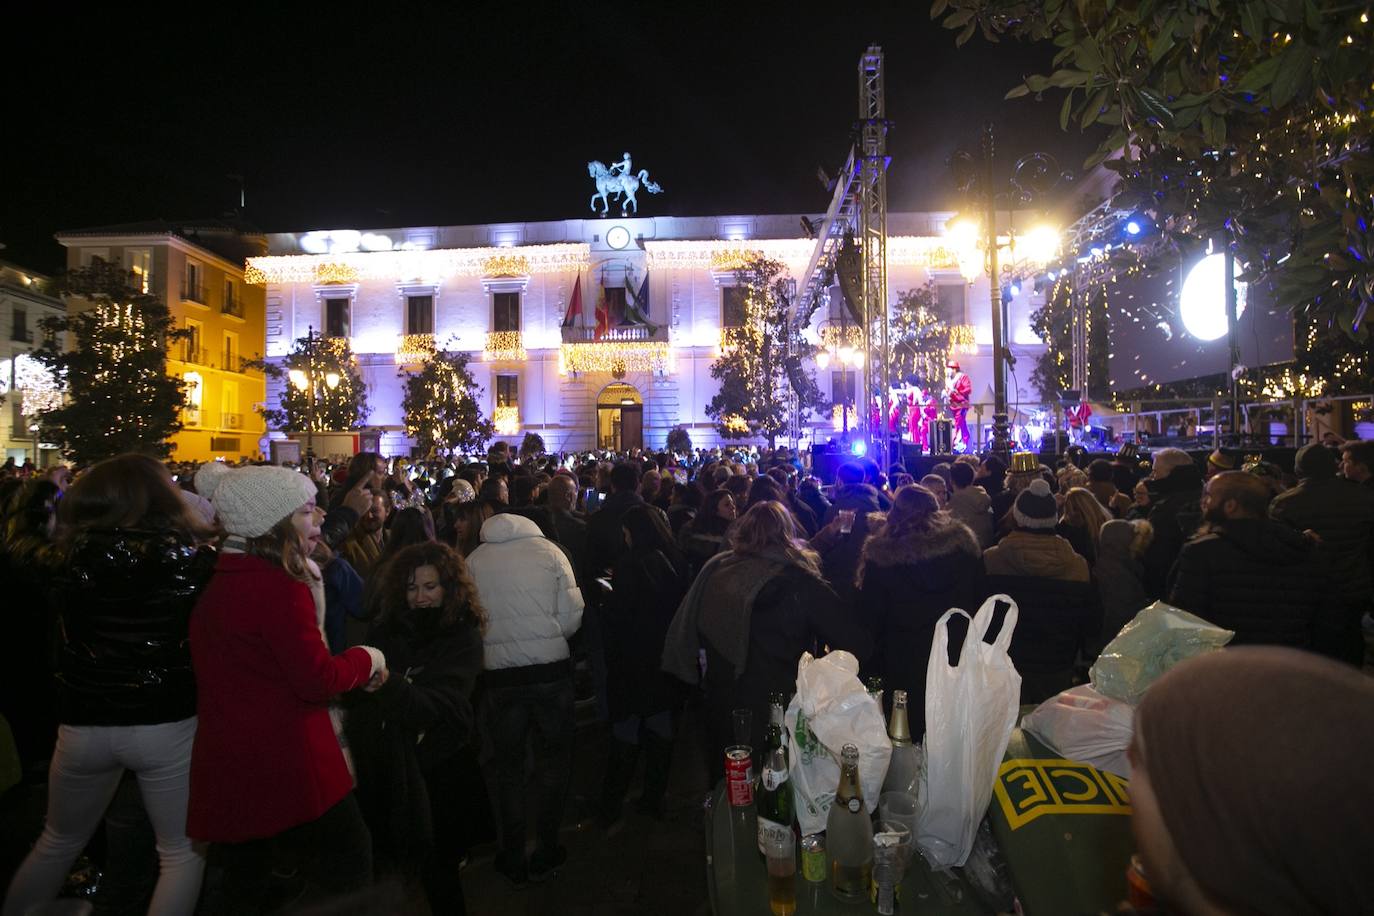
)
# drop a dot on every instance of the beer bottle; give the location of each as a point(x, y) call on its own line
point(849, 833)
point(904, 768)
point(775, 807)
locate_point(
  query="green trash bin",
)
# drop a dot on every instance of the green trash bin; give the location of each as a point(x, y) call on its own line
point(1064, 829)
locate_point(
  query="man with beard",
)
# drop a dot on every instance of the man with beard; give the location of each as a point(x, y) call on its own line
point(364, 545)
point(1249, 574)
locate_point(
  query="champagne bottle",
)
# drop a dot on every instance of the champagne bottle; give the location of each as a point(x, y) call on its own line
point(849, 833)
point(775, 804)
point(904, 768)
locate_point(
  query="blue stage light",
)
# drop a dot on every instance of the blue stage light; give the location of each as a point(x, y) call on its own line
point(1133, 227)
point(858, 447)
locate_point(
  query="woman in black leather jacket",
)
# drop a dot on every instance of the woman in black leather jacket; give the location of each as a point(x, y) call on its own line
point(132, 562)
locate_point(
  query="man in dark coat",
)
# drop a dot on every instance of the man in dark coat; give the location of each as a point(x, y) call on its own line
point(1357, 462)
point(1249, 574)
point(1340, 513)
point(1175, 490)
point(605, 540)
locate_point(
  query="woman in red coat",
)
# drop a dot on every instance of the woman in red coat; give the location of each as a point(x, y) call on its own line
point(268, 776)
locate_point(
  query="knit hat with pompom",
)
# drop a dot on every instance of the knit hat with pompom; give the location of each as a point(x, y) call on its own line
point(1035, 506)
point(250, 501)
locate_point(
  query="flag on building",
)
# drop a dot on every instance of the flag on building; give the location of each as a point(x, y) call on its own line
point(637, 309)
point(603, 314)
point(574, 304)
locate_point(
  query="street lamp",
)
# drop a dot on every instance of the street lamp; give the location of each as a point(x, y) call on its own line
point(305, 382)
point(836, 345)
point(33, 429)
point(1034, 175)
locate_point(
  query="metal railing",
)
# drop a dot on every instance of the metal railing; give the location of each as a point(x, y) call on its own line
point(233, 307)
point(191, 416)
point(193, 292)
point(628, 332)
point(194, 355)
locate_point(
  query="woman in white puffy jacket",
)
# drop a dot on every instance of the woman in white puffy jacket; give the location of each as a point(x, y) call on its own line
point(533, 606)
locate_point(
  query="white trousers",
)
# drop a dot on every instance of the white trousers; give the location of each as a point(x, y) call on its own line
point(86, 769)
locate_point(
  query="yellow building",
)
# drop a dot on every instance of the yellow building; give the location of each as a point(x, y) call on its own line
point(197, 269)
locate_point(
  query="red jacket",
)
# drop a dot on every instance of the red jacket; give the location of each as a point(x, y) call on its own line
point(265, 756)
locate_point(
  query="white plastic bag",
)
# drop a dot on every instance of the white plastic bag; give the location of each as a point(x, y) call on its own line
point(835, 710)
point(1082, 724)
point(970, 712)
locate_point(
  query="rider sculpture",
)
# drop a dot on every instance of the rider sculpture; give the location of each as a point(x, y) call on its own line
point(618, 181)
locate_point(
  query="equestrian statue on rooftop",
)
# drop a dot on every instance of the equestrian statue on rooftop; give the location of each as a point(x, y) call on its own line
point(620, 181)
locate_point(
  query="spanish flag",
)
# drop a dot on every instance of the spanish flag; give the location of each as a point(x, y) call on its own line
point(603, 315)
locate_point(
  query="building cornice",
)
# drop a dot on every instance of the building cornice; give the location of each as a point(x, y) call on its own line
point(138, 239)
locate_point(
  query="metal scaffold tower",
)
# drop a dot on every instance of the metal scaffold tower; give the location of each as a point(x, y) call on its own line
point(858, 212)
point(872, 239)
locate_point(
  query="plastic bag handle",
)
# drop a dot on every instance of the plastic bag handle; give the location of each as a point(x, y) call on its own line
point(983, 619)
point(940, 648)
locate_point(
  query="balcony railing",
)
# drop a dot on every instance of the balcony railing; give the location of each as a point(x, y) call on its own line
point(627, 332)
point(193, 355)
point(21, 335)
point(190, 416)
point(232, 307)
point(193, 292)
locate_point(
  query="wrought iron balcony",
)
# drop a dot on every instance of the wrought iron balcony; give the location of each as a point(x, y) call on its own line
point(232, 307)
point(193, 292)
point(191, 416)
point(629, 332)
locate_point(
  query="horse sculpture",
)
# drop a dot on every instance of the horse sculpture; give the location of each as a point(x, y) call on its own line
point(625, 186)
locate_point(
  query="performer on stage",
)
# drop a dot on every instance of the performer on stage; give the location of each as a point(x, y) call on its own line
point(922, 409)
point(1078, 421)
point(959, 391)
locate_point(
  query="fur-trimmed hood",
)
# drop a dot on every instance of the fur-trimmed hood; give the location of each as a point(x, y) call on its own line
point(945, 537)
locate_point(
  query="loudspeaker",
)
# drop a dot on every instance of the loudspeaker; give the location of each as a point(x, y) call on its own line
point(1047, 442)
point(825, 460)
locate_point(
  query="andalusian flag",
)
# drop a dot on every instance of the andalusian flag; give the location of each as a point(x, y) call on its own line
point(637, 309)
point(574, 304)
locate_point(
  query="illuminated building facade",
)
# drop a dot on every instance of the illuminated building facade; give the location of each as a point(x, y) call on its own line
point(197, 269)
point(25, 384)
point(503, 292)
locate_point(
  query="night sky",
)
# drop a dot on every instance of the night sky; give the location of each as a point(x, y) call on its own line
point(416, 114)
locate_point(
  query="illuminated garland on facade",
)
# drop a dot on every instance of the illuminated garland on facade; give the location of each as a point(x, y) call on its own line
point(505, 345)
point(931, 252)
point(433, 265)
point(961, 339)
point(834, 336)
point(628, 356)
point(414, 348)
point(506, 420)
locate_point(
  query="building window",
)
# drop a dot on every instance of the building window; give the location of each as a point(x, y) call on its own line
point(842, 386)
point(337, 320)
point(420, 314)
point(195, 290)
point(508, 391)
point(951, 299)
point(139, 263)
point(505, 311)
point(732, 306)
point(20, 328)
point(231, 351)
point(194, 342)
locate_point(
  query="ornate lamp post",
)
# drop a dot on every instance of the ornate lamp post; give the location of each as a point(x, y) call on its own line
point(847, 354)
point(307, 383)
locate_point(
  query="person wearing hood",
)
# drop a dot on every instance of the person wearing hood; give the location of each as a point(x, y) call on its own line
point(1250, 574)
point(1120, 574)
point(840, 550)
point(1059, 612)
point(919, 564)
point(534, 606)
point(970, 503)
point(1340, 513)
point(1175, 490)
point(605, 537)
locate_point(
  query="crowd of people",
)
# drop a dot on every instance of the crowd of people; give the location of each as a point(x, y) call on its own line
point(329, 674)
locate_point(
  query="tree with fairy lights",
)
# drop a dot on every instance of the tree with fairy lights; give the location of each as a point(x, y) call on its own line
point(752, 400)
point(441, 407)
point(323, 391)
point(1245, 123)
point(120, 396)
point(922, 336)
point(1052, 323)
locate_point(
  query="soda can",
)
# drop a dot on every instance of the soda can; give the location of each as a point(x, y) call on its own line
point(813, 857)
point(739, 775)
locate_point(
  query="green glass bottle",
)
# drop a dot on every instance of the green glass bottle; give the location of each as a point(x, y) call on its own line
point(775, 806)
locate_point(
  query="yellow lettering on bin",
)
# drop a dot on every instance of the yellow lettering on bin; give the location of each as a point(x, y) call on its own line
point(1026, 789)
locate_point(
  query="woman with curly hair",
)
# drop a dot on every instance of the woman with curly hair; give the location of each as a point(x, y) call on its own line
point(754, 610)
point(411, 736)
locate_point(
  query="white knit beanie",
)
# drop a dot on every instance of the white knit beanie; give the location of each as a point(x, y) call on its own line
point(208, 476)
point(1035, 506)
point(251, 500)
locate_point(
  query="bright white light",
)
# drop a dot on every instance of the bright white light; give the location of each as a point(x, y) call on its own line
point(1132, 227)
point(332, 379)
point(1202, 304)
point(298, 378)
point(1040, 244)
point(964, 232)
point(823, 359)
point(373, 241)
point(858, 358)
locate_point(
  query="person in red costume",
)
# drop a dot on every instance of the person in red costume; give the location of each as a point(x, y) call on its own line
point(960, 391)
point(1078, 420)
point(922, 409)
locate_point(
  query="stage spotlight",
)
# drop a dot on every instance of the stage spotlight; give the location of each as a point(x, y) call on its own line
point(858, 447)
point(1132, 227)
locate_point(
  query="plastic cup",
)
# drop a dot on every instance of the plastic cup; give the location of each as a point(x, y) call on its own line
point(892, 847)
point(846, 517)
point(781, 853)
point(899, 808)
